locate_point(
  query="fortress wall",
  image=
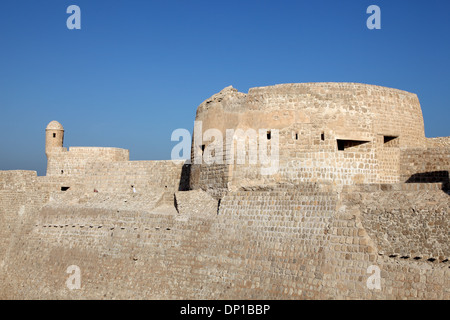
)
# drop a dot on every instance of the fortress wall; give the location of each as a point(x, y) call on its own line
point(19, 197)
point(113, 175)
point(425, 165)
point(307, 243)
point(196, 203)
point(17, 180)
point(347, 108)
point(54, 184)
point(124, 255)
point(278, 239)
point(15, 206)
point(146, 176)
point(346, 111)
point(440, 142)
point(73, 162)
point(265, 238)
point(302, 243)
point(213, 178)
point(407, 228)
point(387, 157)
point(309, 159)
point(127, 202)
point(353, 251)
point(311, 118)
point(304, 159)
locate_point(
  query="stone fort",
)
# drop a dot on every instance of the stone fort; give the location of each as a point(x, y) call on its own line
point(357, 186)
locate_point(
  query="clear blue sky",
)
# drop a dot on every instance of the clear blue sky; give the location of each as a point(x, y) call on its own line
point(138, 69)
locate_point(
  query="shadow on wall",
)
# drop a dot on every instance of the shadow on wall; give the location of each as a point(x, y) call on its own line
point(431, 177)
point(185, 178)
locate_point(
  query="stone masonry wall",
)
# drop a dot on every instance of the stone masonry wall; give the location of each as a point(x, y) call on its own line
point(19, 198)
point(309, 231)
point(17, 180)
point(311, 118)
point(306, 242)
point(425, 165)
point(440, 142)
point(408, 228)
point(107, 177)
point(145, 176)
point(73, 162)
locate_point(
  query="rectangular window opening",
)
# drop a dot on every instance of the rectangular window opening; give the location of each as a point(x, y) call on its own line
point(65, 188)
point(322, 136)
point(203, 148)
point(54, 135)
point(343, 145)
point(269, 135)
point(296, 136)
point(390, 140)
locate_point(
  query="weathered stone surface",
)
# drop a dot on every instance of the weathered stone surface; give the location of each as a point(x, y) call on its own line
point(375, 124)
point(196, 202)
point(309, 232)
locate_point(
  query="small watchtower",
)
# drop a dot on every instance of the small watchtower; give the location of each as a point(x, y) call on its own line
point(54, 137)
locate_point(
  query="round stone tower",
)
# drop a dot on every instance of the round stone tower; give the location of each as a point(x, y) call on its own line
point(54, 137)
point(336, 133)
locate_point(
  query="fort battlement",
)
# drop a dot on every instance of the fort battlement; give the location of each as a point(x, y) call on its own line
point(358, 185)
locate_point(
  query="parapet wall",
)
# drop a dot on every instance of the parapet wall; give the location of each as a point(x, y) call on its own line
point(17, 180)
point(145, 176)
point(73, 162)
point(106, 177)
point(425, 165)
point(439, 142)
